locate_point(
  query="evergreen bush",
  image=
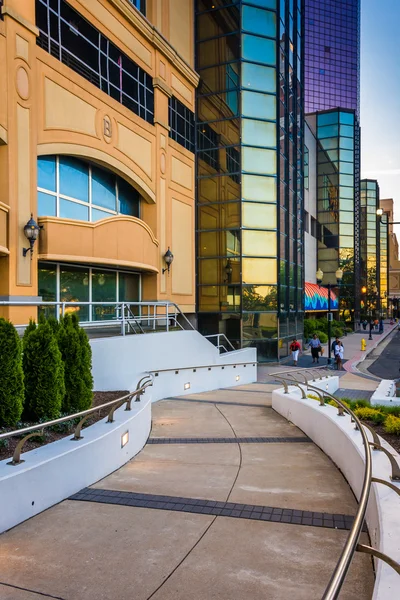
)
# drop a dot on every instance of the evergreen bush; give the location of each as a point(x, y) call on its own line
point(369, 414)
point(392, 425)
point(11, 375)
point(323, 338)
point(77, 357)
point(44, 373)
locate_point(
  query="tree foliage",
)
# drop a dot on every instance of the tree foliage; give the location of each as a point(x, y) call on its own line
point(11, 375)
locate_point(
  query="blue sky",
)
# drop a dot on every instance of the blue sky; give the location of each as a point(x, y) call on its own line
point(380, 97)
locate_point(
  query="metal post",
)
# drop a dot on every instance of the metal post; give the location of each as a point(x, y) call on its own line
point(329, 324)
point(123, 318)
point(167, 311)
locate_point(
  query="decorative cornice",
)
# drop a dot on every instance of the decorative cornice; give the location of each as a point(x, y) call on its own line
point(3, 136)
point(4, 207)
point(152, 35)
point(6, 10)
point(162, 123)
point(161, 85)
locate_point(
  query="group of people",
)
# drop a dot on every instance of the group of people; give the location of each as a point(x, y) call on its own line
point(316, 349)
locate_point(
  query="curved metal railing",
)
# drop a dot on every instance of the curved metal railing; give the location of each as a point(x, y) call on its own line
point(113, 405)
point(352, 545)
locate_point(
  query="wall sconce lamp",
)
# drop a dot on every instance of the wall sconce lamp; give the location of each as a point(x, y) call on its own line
point(168, 257)
point(31, 231)
point(228, 271)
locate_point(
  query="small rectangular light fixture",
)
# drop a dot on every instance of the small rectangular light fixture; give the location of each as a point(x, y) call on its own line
point(124, 439)
point(237, 377)
point(186, 386)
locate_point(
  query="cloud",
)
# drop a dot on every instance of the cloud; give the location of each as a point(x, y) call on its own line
point(383, 172)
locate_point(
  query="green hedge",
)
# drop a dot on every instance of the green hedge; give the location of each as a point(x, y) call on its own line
point(44, 373)
point(11, 375)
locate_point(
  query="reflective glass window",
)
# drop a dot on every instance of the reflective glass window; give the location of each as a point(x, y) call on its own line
point(258, 49)
point(346, 229)
point(259, 297)
point(346, 192)
point(327, 118)
point(346, 205)
point(347, 217)
point(74, 178)
point(258, 133)
point(256, 20)
point(73, 210)
point(259, 270)
point(257, 215)
point(259, 160)
point(259, 189)
point(128, 199)
point(259, 243)
point(346, 118)
point(46, 166)
point(347, 155)
point(219, 298)
point(347, 130)
point(260, 325)
point(264, 3)
point(103, 189)
point(328, 131)
point(47, 205)
point(346, 241)
point(100, 214)
point(346, 143)
point(346, 167)
point(47, 282)
point(104, 289)
point(258, 106)
point(346, 180)
point(74, 287)
point(257, 77)
point(128, 287)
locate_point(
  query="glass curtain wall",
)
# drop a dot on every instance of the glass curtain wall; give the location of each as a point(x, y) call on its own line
point(249, 151)
point(384, 264)
point(370, 247)
point(338, 199)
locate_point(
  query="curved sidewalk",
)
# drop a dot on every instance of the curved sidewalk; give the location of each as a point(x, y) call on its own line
point(227, 500)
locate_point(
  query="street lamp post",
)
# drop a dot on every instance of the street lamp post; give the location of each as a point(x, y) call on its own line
point(339, 277)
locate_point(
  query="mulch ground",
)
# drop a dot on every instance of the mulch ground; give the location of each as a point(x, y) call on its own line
point(390, 438)
point(55, 433)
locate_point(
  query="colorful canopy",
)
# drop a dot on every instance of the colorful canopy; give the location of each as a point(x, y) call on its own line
point(316, 298)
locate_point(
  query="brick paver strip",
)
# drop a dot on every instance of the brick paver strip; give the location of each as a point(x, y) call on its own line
point(354, 394)
point(211, 507)
point(232, 440)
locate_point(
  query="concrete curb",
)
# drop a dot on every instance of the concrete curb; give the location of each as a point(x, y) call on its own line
point(352, 364)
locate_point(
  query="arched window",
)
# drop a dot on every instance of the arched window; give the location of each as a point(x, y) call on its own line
point(72, 188)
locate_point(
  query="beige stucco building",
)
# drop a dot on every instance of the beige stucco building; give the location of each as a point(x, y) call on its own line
point(95, 102)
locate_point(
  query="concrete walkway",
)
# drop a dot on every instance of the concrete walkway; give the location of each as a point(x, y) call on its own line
point(227, 501)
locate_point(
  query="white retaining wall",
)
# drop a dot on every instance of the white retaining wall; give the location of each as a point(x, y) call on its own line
point(337, 437)
point(385, 394)
point(56, 471)
point(119, 363)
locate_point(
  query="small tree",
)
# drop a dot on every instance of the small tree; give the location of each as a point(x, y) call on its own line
point(44, 374)
point(76, 355)
point(11, 375)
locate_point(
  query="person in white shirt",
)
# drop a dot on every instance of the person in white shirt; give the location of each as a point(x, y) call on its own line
point(339, 354)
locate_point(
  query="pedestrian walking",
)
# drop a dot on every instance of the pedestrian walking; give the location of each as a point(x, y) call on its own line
point(339, 354)
point(295, 350)
point(364, 324)
point(381, 325)
point(315, 345)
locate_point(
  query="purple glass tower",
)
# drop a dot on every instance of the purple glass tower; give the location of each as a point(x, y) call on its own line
point(332, 55)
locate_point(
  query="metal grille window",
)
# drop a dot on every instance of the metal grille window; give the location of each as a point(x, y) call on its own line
point(140, 5)
point(67, 36)
point(181, 122)
point(233, 164)
point(207, 142)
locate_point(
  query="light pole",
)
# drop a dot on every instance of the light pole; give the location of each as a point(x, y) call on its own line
point(339, 277)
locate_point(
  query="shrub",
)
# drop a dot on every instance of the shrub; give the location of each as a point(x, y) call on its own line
point(322, 336)
point(337, 332)
point(76, 355)
point(392, 425)
point(11, 375)
point(44, 374)
point(370, 414)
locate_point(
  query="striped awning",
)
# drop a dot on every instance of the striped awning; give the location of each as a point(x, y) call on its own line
point(316, 298)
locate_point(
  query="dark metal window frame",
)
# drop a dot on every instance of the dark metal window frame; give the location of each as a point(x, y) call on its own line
point(181, 123)
point(141, 102)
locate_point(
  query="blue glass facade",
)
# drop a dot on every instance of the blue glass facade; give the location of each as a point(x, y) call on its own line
point(332, 55)
point(249, 156)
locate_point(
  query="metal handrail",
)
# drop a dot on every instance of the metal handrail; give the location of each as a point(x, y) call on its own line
point(352, 544)
point(84, 414)
point(219, 344)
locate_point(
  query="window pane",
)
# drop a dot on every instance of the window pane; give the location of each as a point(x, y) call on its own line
point(128, 198)
point(258, 49)
point(74, 178)
point(129, 288)
point(264, 3)
point(259, 243)
point(47, 287)
point(104, 289)
point(259, 106)
point(264, 325)
point(256, 215)
point(100, 214)
point(103, 189)
point(346, 118)
point(260, 189)
point(259, 270)
point(259, 21)
point(347, 130)
point(259, 297)
point(73, 210)
point(46, 166)
point(46, 205)
point(258, 78)
point(214, 298)
point(258, 160)
point(74, 287)
point(258, 133)
point(346, 143)
point(327, 118)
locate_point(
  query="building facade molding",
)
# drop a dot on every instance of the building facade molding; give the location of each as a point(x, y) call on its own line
point(10, 12)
